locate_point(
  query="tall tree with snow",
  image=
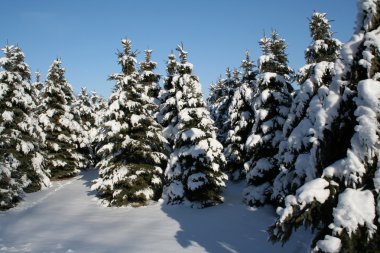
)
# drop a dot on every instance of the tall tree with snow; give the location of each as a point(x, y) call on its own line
point(37, 86)
point(299, 152)
point(194, 171)
point(58, 121)
point(86, 115)
point(219, 102)
point(216, 96)
point(240, 121)
point(168, 113)
point(132, 148)
point(150, 81)
point(271, 105)
point(21, 161)
point(342, 204)
point(99, 106)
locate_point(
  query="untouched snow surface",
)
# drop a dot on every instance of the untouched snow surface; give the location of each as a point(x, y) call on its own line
point(67, 218)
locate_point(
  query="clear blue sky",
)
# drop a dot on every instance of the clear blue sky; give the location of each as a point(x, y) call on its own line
point(86, 34)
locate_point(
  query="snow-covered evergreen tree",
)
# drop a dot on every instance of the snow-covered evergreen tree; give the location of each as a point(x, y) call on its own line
point(58, 121)
point(168, 113)
point(342, 204)
point(240, 122)
point(217, 92)
point(132, 148)
point(150, 81)
point(271, 105)
point(87, 117)
point(194, 171)
point(219, 101)
point(21, 162)
point(37, 86)
point(99, 108)
point(299, 151)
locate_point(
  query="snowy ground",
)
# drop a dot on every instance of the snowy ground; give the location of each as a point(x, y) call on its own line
point(67, 218)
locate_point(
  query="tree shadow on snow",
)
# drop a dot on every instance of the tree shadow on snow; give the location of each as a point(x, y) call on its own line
point(88, 176)
point(229, 227)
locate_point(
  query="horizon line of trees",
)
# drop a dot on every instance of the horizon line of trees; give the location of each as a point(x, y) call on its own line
point(312, 153)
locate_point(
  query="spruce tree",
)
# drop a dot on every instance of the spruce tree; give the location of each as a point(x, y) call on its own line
point(299, 151)
point(194, 171)
point(99, 108)
point(21, 162)
point(86, 115)
point(132, 149)
point(168, 114)
point(215, 99)
point(37, 86)
point(342, 204)
point(59, 122)
point(271, 104)
point(150, 81)
point(240, 122)
point(219, 101)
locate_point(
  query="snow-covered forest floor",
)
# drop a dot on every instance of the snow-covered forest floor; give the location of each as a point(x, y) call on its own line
point(68, 218)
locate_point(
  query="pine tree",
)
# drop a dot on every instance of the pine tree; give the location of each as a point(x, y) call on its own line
point(86, 115)
point(132, 148)
point(168, 114)
point(300, 149)
point(150, 81)
point(219, 101)
point(240, 122)
point(342, 204)
point(99, 108)
point(37, 86)
point(194, 169)
point(271, 104)
point(216, 97)
point(21, 162)
point(58, 122)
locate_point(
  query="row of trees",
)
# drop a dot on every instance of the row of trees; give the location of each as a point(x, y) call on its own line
point(48, 133)
point(154, 141)
point(312, 153)
point(45, 131)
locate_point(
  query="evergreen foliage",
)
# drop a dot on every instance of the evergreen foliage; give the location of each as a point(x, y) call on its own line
point(150, 81)
point(99, 107)
point(299, 151)
point(219, 102)
point(58, 120)
point(131, 147)
point(215, 103)
point(241, 115)
point(314, 152)
point(168, 114)
point(21, 162)
point(342, 203)
point(194, 171)
point(86, 114)
point(271, 103)
point(37, 87)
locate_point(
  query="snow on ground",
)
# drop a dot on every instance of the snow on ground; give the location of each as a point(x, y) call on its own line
point(67, 218)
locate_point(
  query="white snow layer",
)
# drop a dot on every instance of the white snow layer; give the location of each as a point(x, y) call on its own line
point(355, 208)
point(330, 244)
point(314, 190)
point(7, 116)
point(67, 218)
point(193, 134)
point(367, 9)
